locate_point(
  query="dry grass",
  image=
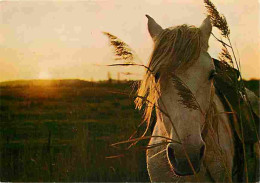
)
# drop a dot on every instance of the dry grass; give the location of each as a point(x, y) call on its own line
point(122, 50)
point(218, 20)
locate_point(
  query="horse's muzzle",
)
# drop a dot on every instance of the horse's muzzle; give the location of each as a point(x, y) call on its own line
point(179, 161)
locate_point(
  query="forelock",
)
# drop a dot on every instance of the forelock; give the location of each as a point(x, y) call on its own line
point(175, 48)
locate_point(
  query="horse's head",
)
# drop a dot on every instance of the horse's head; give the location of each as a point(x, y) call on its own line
point(180, 51)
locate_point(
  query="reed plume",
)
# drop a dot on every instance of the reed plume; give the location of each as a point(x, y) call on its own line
point(218, 20)
point(121, 49)
point(187, 97)
point(225, 56)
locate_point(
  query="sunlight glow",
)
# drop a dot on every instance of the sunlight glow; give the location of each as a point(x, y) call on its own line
point(44, 75)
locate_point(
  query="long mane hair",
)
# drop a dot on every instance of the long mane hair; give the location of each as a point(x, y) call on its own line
point(175, 48)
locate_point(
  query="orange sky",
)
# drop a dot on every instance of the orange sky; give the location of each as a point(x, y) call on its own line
point(63, 39)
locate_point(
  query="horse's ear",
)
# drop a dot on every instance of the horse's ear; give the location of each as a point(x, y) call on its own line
point(206, 29)
point(153, 28)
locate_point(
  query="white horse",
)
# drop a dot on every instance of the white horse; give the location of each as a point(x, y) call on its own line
point(181, 52)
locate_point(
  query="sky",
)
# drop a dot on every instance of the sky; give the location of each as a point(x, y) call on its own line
point(64, 40)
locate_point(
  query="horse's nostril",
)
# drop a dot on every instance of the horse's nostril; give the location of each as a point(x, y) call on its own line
point(171, 156)
point(180, 163)
point(202, 150)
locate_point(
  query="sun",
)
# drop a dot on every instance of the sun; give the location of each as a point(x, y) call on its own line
point(44, 75)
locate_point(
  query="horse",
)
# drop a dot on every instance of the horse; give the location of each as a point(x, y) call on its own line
point(192, 139)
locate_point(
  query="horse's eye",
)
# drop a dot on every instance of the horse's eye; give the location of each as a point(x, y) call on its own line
point(157, 76)
point(212, 74)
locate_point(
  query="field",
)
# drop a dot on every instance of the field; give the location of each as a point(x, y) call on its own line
point(62, 131)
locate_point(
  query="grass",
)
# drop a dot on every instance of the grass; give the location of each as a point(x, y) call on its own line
point(63, 133)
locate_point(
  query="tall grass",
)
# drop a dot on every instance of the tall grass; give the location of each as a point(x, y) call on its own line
point(66, 137)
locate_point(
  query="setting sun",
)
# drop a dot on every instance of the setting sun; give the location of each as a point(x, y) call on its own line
point(44, 75)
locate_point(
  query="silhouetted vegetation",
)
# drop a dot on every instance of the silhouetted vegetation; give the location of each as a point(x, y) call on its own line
point(62, 131)
point(253, 85)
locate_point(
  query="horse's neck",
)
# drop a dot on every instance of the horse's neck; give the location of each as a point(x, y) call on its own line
point(222, 129)
point(219, 143)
